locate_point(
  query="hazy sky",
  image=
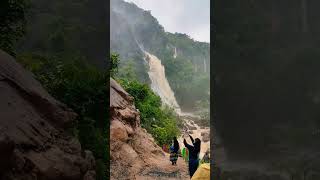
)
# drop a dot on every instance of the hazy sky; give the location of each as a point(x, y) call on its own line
point(191, 17)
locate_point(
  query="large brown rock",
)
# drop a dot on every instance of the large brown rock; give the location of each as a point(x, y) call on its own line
point(134, 153)
point(33, 140)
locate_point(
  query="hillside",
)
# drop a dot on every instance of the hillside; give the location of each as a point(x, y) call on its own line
point(187, 62)
point(35, 142)
point(134, 153)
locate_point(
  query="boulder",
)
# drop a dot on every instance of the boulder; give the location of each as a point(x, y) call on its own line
point(118, 131)
point(122, 107)
point(34, 143)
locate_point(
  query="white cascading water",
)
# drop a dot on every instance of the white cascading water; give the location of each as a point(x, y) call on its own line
point(159, 82)
point(160, 85)
point(175, 53)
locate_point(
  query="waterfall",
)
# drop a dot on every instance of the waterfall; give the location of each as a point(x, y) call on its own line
point(159, 82)
point(175, 53)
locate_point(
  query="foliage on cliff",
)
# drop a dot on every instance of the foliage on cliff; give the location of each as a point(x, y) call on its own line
point(59, 41)
point(80, 27)
point(82, 87)
point(160, 121)
point(134, 29)
point(12, 26)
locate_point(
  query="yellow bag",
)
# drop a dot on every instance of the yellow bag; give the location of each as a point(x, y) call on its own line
point(202, 173)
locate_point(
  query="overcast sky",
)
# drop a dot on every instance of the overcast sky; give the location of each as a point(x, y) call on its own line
point(191, 17)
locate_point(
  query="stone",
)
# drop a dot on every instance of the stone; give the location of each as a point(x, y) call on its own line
point(133, 151)
point(90, 175)
point(118, 131)
point(34, 142)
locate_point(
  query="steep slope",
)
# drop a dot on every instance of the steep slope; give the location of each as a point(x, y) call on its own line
point(134, 154)
point(34, 142)
point(187, 62)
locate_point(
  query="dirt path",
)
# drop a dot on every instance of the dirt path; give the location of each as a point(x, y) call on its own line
point(168, 171)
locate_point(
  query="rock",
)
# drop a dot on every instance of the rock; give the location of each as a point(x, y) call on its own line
point(33, 136)
point(90, 175)
point(129, 155)
point(205, 136)
point(133, 151)
point(90, 159)
point(118, 131)
point(6, 151)
point(121, 105)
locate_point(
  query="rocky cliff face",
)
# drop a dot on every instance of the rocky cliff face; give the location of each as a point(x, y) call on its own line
point(134, 154)
point(34, 143)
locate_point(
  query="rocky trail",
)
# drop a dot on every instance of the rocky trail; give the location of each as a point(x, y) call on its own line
point(179, 171)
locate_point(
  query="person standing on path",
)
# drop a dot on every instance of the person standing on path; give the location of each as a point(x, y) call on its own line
point(174, 151)
point(194, 151)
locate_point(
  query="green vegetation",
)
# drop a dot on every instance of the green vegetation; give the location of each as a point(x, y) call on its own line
point(189, 70)
point(12, 23)
point(64, 44)
point(82, 87)
point(160, 121)
point(75, 27)
point(114, 63)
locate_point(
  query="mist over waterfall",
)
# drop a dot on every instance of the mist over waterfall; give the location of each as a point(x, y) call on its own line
point(159, 82)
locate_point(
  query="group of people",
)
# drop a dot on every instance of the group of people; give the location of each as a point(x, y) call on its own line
point(193, 152)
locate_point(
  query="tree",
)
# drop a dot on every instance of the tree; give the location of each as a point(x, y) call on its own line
point(12, 23)
point(81, 87)
point(114, 63)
